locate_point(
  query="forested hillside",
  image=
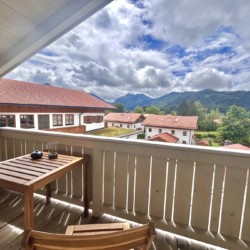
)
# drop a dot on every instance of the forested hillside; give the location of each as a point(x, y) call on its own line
point(208, 98)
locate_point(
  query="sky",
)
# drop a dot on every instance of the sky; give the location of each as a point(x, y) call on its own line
point(152, 47)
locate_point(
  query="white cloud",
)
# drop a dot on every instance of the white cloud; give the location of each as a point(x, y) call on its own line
point(111, 53)
point(208, 78)
point(187, 22)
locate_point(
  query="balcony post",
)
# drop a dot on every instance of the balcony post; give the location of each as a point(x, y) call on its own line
point(97, 181)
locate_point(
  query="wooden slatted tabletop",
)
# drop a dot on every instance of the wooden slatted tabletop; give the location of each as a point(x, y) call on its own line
point(25, 175)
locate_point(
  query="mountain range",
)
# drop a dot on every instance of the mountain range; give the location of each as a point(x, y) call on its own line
point(208, 98)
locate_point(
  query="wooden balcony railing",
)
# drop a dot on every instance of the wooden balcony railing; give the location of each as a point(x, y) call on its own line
point(199, 192)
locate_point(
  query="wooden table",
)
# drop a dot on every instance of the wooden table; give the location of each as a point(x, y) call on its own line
point(24, 175)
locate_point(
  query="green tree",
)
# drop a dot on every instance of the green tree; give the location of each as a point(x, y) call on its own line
point(192, 109)
point(235, 126)
point(152, 110)
point(138, 109)
point(119, 108)
point(201, 111)
point(182, 108)
point(211, 121)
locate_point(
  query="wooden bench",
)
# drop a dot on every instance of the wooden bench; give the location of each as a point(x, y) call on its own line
point(139, 237)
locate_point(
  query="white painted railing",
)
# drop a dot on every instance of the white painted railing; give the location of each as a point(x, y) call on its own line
point(198, 192)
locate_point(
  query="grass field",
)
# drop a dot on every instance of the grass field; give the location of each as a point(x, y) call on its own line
point(111, 131)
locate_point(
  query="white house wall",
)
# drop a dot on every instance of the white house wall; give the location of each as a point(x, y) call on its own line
point(125, 125)
point(92, 126)
point(178, 133)
point(78, 120)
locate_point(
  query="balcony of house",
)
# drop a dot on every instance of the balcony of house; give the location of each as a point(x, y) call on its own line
point(201, 193)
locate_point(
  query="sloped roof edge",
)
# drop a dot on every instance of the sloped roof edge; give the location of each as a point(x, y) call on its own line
point(21, 93)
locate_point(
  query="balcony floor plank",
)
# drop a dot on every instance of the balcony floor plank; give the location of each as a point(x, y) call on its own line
point(54, 218)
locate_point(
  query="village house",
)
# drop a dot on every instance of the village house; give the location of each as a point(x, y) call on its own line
point(165, 137)
point(124, 120)
point(43, 107)
point(176, 129)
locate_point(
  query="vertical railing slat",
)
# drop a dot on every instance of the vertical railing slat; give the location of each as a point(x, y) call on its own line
point(233, 201)
point(217, 196)
point(142, 183)
point(131, 182)
point(202, 195)
point(121, 180)
point(9, 144)
point(171, 169)
point(109, 179)
point(97, 183)
point(183, 192)
point(76, 183)
point(29, 147)
point(158, 187)
point(62, 184)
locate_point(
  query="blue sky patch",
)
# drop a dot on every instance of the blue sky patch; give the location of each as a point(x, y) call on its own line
point(177, 51)
point(47, 52)
point(149, 42)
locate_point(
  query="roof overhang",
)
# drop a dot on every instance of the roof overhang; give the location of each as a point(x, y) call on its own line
point(27, 27)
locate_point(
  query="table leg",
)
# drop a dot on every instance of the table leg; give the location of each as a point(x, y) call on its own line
point(48, 193)
point(86, 198)
point(28, 208)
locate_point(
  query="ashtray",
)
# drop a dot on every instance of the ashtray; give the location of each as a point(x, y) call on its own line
point(36, 154)
point(53, 155)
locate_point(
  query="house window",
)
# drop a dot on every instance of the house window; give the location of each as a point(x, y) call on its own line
point(99, 119)
point(113, 125)
point(172, 132)
point(120, 125)
point(7, 121)
point(69, 119)
point(27, 121)
point(184, 142)
point(57, 120)
point(184, 133)
point(149, 129)
point(88, 119)
point(160, 130)
point(43, 122)
point(128, 126)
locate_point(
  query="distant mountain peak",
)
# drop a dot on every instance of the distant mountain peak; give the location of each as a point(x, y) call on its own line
point(130, 101)
point(207, 97)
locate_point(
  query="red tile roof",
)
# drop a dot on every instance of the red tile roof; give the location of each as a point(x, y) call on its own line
point(26, 93)
point(202, 142)
point(237, 146)
point(122, 117)
point(171, 121)
point(166, 137)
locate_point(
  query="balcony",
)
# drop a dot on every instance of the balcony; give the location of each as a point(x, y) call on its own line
point(197, 192)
